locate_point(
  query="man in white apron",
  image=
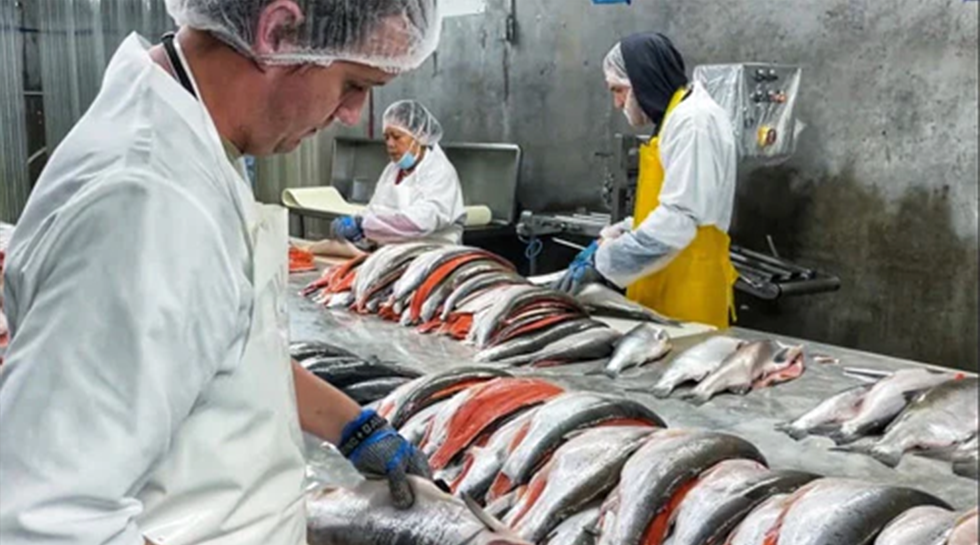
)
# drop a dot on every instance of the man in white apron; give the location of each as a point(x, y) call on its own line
point(147, 394)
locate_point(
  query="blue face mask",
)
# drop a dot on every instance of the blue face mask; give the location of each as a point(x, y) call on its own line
point(409, 159)
point(407, 162)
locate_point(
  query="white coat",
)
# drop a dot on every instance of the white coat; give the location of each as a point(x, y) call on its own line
point(700, 161)
point(147, 391)
point(426, 204)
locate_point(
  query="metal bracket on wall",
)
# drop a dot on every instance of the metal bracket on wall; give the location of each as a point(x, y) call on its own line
point(510, 29)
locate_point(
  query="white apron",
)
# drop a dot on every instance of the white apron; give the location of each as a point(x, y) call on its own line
point(253, 493)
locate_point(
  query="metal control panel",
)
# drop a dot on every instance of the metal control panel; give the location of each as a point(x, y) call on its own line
point(622, 171)
point(761, 101)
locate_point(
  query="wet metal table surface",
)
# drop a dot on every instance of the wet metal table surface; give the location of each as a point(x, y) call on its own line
point(751, 417)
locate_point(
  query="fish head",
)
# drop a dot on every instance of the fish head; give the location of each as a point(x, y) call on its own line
point(495, 532)
point(786, 356)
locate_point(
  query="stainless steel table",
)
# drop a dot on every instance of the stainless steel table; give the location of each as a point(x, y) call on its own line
point(751, 417)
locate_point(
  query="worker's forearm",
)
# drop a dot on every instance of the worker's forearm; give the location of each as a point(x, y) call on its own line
point(323, 409)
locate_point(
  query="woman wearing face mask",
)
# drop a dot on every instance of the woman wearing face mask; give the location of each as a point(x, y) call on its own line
point(672, 256)
point(418, 195)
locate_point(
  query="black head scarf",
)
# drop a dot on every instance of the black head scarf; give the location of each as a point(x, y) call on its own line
point(656, 71)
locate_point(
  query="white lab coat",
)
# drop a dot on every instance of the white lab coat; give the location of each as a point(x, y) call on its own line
point(699, 156)
point(427, 204)
point(147, 390)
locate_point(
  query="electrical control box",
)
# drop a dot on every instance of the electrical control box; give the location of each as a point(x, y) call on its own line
point(760, 99)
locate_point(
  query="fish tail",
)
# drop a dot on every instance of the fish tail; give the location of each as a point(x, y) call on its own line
point(861, 447)
point(887, 454)
point(842, 436)
point(696, 398)
point(662, 391)
point(789, 429)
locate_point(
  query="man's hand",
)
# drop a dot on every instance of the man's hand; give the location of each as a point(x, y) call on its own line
point(375, 448)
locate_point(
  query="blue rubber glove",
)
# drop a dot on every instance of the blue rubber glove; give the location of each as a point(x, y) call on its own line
point(375, 448)
point(347, 228)
point(582, 271)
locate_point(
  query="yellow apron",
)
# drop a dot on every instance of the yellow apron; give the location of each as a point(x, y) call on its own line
point(697, 286)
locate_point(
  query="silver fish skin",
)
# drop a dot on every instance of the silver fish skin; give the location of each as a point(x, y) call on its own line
point(343, 299)
point(666, 462)
point(485, 321)
point(422, 266)
point(965, 462)
point(966, 529)
point(830, 413)
point(748, 364)
point(591, 344)
point(500, 507)
point(304, 350)
point(364, 515)
point(720, 518)
point(486, 324)
point(644, 343)
point(527, 344)
point(578, 529)
point(486, 461)
point(394, 400)
point(561, 415)
point(602, 301)
point(480, 302)
point(837, 511)
point(753, 529)
point(372, 390)
point(943, 417)
point(885, 400)
point(441, 294)
point(695, 363)
point(713, 488)
point(923, 525)
point(439, 428)
point(345, 371)
point(582, 470)
point(382, 262)
point(421, 395)
point(476, 285)
point(415, 428)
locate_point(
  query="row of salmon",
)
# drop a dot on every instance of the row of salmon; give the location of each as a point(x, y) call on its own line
point(912, 411)
point(577, 468)
point(476, 296)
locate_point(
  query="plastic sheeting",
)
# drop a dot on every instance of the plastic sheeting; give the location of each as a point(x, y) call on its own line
point(14, 179)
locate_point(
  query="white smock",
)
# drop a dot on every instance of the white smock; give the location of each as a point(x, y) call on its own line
point(426, 205)
point(148, 390)
point(700, 161)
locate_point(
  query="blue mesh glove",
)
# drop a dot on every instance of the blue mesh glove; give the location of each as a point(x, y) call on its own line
point(582, 271)
point(375, 448)
point(347, 228)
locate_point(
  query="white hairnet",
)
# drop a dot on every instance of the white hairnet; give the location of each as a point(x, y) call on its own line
point(614, 67)
point(392, 35)
point(412, 117)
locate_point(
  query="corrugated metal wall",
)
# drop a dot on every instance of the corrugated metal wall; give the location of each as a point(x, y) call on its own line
point(78, 37)
point(75, 40)
point(14, 179)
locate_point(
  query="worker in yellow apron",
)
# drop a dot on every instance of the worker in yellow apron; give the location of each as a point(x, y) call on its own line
point(672, 255)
